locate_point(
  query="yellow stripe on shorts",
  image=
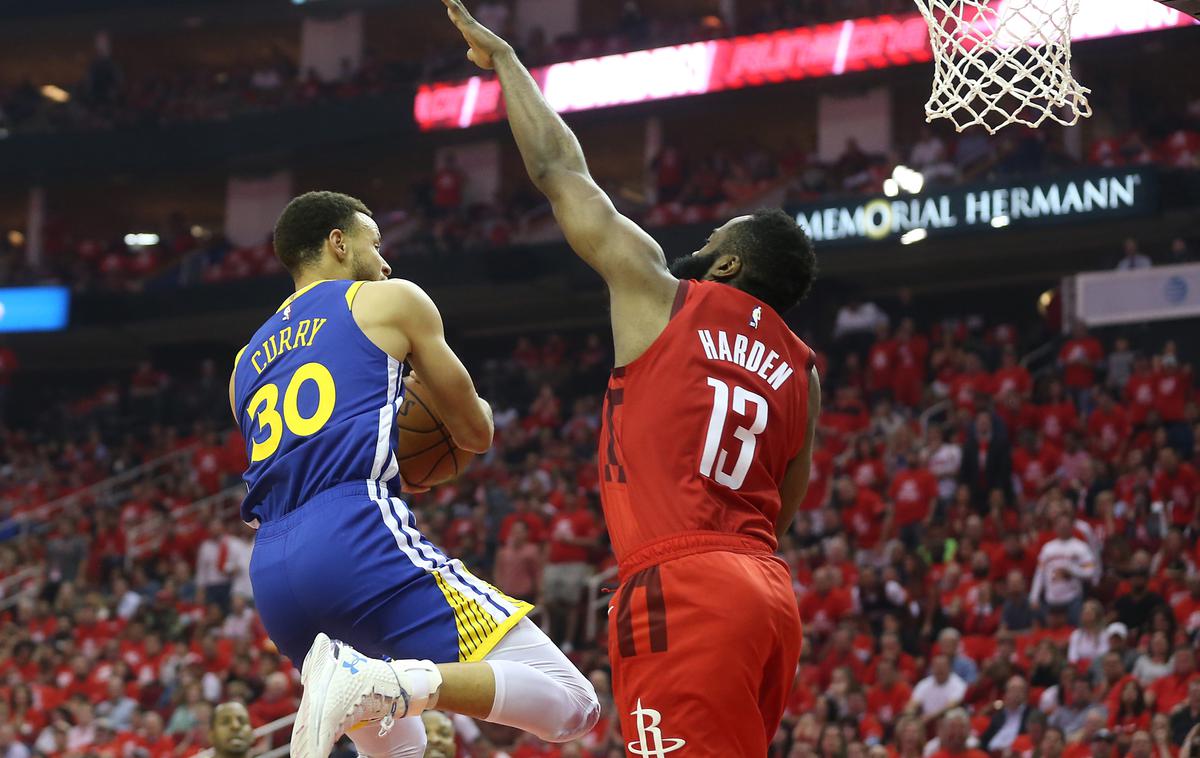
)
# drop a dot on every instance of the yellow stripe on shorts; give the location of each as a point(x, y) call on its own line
point(475, 626)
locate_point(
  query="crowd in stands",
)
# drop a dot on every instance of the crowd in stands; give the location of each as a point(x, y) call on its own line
point(436, 219)
point(107, 97)
point(988, 560)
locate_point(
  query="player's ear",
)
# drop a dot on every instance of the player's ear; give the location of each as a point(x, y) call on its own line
point(727, 267)
point(337, 243)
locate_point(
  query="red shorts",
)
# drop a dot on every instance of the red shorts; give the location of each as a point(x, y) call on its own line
point(704, 651)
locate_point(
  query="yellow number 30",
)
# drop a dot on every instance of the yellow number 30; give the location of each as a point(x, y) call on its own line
point(263, 408)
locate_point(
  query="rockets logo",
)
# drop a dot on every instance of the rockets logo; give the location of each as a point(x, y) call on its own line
point(650, 741)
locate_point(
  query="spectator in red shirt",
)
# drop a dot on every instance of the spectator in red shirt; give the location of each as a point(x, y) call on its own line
point(1079, 358)
point(519, 564)
point(1035, 463)
point(890, 694)
point(275, 703)
point(864, 465)
point(1108, 428)
point(1172, 389)
point(971, 388)
point(819, 478)
point(881, 363)
point(1169, 691)
point(1187, 606)
point(913, 493)
point(1057, 415)
point(1177, 486)
point(823, 606)
point(953, 732)
point(1011, 376)
point(522, 512)
point(864, 514)
point(911, 354)
point(573, 534)
point(152, 740)
point(1140, 391)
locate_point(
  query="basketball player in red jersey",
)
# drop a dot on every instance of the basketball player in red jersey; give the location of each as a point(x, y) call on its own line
point(705, 452)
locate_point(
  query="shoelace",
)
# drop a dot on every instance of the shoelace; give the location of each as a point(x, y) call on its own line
point(374, 704)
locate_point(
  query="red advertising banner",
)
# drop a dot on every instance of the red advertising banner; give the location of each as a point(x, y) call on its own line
point(752, 61)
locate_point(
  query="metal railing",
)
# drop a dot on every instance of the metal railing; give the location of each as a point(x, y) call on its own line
point(1037, 353)
point(140, 537)
point(937, 408)
point(8, 597)
point(595, 601)
point(104, 492)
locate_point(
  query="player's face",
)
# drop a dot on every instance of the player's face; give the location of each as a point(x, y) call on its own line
point(439, 732)
point(699, 265)
point(364, 245)
point(231, 728)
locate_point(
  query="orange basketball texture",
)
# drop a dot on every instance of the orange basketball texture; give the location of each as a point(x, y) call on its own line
point(425, 451)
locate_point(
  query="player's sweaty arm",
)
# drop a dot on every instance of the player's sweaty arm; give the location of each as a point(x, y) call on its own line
point(795, 482)
point(630, 261)
point(403, 321)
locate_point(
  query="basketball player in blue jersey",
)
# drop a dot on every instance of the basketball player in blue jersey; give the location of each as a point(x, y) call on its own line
point(338, 552)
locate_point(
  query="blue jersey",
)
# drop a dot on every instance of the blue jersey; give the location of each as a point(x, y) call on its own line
point(338, 551)
point(316, 401)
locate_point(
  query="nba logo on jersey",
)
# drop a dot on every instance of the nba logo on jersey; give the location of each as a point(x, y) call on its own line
point(287, 313)
point(755, 316)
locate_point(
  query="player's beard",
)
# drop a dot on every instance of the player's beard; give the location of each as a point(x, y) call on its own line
point(693, 266)
point(365, 269)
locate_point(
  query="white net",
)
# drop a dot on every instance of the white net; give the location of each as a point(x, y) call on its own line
point(1000, 62)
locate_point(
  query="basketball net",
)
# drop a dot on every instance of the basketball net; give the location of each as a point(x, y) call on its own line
point(1001, 62)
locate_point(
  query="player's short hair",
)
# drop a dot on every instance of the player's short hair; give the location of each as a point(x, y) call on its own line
point(307, 221)
point(778, 258)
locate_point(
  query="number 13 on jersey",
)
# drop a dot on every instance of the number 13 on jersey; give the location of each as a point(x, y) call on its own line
point(715, 458)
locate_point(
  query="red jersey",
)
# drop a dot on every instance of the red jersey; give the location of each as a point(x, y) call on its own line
point(700, 429)
point(1013, 379)
point(1079, 358)
point(1140, 396)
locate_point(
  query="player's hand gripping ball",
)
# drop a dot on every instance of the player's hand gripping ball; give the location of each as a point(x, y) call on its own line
point(425, 451)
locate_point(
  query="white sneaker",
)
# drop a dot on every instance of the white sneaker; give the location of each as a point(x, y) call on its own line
point(345, 690)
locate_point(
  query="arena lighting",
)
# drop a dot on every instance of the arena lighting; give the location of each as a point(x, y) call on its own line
point(141, 239)
point(908, 180)
point(915, 235)
point(55, 93)
point(751, 61)
point(999, 222)
point(890, 187)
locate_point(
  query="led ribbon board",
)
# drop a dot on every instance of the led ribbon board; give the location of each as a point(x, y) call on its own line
point(739, 62)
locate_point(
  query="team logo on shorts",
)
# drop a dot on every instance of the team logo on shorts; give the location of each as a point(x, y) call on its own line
point(650, 741)
point(756, 316)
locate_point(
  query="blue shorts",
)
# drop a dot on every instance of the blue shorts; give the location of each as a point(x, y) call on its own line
point(351, 563)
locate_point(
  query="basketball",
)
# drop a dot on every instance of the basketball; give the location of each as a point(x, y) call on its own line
point(425, 451)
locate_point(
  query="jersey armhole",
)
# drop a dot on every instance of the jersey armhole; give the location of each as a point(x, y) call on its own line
point(237, 360)
point(351, 293)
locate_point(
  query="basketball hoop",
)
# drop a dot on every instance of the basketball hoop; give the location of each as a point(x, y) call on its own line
point(1001, 62)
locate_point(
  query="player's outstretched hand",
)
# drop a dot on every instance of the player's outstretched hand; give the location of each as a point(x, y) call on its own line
point(484, 43)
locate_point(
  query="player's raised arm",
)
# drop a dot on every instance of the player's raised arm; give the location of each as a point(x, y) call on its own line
point(402, 320)
point(629, 260)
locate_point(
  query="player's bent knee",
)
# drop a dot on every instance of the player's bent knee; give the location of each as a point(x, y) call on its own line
point(585, 710)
